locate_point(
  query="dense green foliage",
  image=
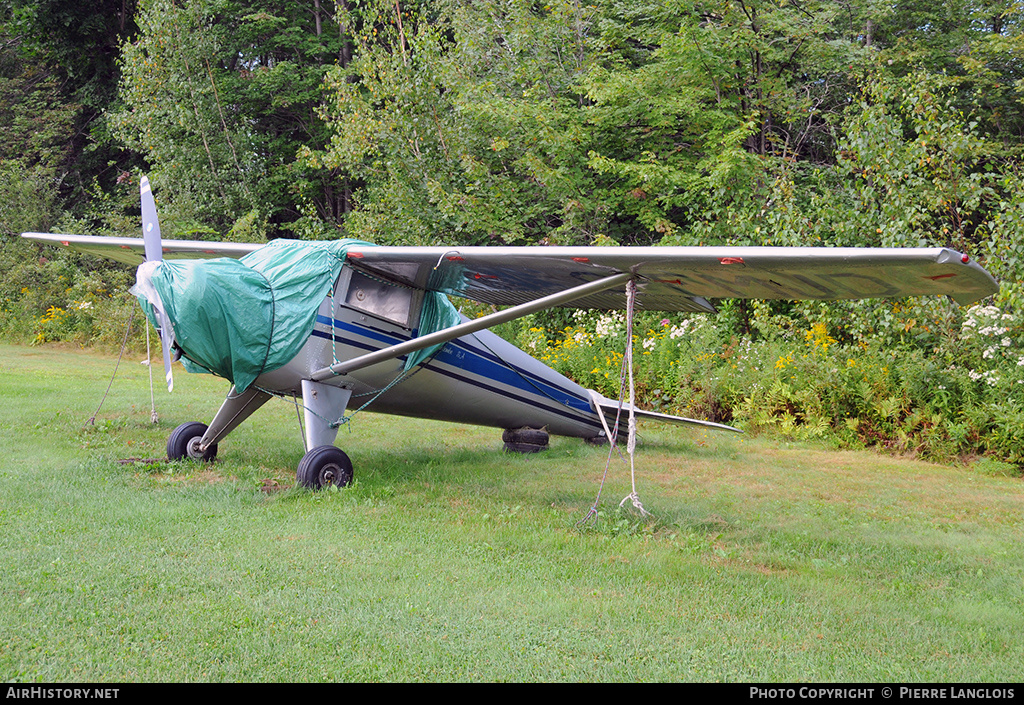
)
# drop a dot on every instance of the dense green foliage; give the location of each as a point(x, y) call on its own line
point(218, 96)
point(505, 121)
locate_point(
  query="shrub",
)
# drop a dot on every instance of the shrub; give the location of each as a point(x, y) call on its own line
point(907, 376)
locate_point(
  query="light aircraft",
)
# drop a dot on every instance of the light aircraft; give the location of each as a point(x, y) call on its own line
point(348, 324)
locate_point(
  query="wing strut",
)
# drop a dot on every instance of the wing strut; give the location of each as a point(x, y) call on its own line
point(443, 336)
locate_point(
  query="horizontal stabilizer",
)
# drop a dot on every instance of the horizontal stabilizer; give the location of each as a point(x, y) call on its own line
point(610, 408)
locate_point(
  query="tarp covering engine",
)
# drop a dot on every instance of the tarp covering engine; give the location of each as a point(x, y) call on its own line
point(241, 318)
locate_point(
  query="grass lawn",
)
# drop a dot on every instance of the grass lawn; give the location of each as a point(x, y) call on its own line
point(449, 560)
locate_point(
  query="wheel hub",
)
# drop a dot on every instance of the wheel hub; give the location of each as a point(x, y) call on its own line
point(194, 450)
point(329, 474)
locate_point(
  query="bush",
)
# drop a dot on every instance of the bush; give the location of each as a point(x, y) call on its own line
point(907, 376)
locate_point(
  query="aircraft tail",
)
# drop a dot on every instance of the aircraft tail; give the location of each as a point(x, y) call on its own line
point(609, 408)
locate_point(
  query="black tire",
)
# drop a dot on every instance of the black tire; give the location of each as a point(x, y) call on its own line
point(533, 436)
point(184, 443)
point(524, 447)
point(323, 466)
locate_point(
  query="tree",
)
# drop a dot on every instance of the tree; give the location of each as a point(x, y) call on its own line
point(219, 96)
point(712, 113)
point(464, 122)
point(76, 46)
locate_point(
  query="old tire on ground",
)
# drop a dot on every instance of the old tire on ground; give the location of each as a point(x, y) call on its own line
point(323, 466)
point(533, 436)
point(524, 447)
point(184, 443)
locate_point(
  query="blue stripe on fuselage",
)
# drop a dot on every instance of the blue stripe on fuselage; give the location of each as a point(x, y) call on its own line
point(486, 366)
point(565, 412)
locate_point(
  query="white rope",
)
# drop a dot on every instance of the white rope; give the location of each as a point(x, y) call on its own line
point(612, 439)
point(626, 371)
point(595, 399)
point(628, 364)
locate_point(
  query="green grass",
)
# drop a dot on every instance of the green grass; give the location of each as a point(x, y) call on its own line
point(449, 560)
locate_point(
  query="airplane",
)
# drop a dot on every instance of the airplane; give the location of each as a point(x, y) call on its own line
point(350, 325)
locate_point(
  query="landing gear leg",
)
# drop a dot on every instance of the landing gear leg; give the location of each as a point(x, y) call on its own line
point(323, 464)
point(196, 440)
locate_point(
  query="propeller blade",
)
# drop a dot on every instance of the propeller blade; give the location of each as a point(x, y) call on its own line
point(155, 253)
point(150, 223)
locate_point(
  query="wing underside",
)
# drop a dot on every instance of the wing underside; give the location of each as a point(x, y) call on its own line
point(669, 278)
point(683, 278)
point(132, 250)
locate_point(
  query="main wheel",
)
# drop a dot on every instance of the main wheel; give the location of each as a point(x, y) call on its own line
point(322, 466)
point(184, 443)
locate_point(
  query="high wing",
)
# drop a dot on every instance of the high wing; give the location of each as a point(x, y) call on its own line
point(669, 278)
point(132, 250)
point(682, 278)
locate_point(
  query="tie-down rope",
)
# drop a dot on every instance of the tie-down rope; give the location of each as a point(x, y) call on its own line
point(91, 421)
point(625, 375)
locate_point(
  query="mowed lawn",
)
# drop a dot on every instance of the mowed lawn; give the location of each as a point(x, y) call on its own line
point(449, 560)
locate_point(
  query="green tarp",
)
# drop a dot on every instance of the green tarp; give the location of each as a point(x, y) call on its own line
point(241, 318)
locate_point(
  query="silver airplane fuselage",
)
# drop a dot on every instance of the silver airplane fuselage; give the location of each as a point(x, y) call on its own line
point(477, 379)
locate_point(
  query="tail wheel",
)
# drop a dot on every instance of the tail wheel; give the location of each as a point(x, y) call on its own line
point(323, 466)
point(524, 447)
point(184, 443)
point(525, 440)
point(532, 436)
